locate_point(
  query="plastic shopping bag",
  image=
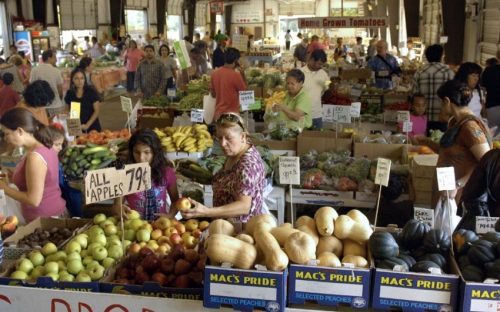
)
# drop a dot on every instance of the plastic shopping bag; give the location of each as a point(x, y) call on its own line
point(12, 208)
point(445, 215)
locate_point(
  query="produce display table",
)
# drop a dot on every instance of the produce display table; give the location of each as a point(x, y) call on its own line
point(328, 200)
point(266, 59)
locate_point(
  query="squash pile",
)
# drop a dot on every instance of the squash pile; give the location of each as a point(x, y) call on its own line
point(329, 238)
point(478, 256)
point(417, 248)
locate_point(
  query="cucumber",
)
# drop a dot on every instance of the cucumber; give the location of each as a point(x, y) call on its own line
point(95, 161)
point(79, 158)
point(87, 165)
point(91, 145)
point(105, 164)
point(101, 154)
point(92, 150)
point(74, 166)
point(82, 162)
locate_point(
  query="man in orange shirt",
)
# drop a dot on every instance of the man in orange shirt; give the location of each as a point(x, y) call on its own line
point(226, 83)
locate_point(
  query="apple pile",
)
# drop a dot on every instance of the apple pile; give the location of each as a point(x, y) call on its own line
point(8, 225)
point(181, 268)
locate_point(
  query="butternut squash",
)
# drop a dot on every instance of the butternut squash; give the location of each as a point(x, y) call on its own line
point(221, 226)
point(224, 248)
point(246, 238)
point(358, 261)
point(358, 216)
point(328, 259)
point(311, 230)
point(275, 258)
point(325, 220)
point(345, 227)
point(282, 232)
point(353, 248)
point(305, 220)
point(330, 244)
point(300, 248)
point(266, 220)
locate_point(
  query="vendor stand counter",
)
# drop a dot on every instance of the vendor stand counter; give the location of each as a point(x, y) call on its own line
point(103, 79)
point(266, 59)
point(326, 198)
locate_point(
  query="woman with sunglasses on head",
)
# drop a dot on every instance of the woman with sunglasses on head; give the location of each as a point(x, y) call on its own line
point(238, 186)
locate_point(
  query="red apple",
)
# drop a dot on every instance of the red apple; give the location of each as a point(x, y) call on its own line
point(161, 223)
point(122, 281)
point(164, 249)
point(191, 256)
point(134, 248)
point(156, 234)
point(182, 267)
point(203, 225)
point(181, 228)
point(197, 233)
point(183, 204)
point(160, 278)
point(175, 239)
point(145, 251)
point(196, 278)
point(201, 264)
point(122, 273)
point(177, 252)
point(182, 281)
point(12, 219)
point(163, 240)
point(151, 263)
point(171, 230)
point(171, 280)
point(167, 265)
point(141, 278)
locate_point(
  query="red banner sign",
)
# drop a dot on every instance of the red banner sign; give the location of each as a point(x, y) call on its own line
point(343, 22)
point(217, 7)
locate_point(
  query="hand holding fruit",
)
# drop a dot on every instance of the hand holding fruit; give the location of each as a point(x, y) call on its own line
point(197, 210)
point(277, 107)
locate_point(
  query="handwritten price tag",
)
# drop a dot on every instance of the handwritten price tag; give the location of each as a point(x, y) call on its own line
point(197, 115)
point(446, 178)
point(74, 110)
point(403, 116)
point(356, 109)
point(126, 104)
point(171, 92)
point(407, 126)
point(383, 171)
point(485, 224)
point(289, 168)
point(328, 113)
point(74, 126)
point(247, 98)
point(137, 178)
point(342, 113)
point(425, 215)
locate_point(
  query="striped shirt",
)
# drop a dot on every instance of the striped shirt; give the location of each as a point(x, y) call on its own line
point(428, 79)
point(151, 76)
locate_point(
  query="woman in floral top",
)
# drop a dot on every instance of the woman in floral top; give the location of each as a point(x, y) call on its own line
point(145, 146)
point(239, 185)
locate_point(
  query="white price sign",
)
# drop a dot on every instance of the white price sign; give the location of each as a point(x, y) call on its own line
point(247, 98)
point(289, 168)
point(342, 113)
point(407, 126)
point(197, 115)
point(425, 215)
point(328, 113)
point(126, 104)
point(171, 92)
point(383, 171)
point(485, 224)
point(356, 109)
point(446, 178)
point(403, 116)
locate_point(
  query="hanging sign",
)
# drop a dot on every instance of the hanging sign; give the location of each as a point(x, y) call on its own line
point(343, 22)
point(217, 7)
point(182, 54)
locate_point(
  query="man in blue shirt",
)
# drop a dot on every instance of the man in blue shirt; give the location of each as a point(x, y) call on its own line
point(384, 65)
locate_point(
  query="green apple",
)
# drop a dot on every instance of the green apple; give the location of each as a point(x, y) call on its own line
point(62, 265)
point(113, 243)
point(129, 234)
point(95, 230)
point(66, 277)
point(143, 235)
point(51, 267)
point(36, 257)
point(136, 224)
point(73, 256)
point(99, 253)
point(91, 264)
point(73, 246)
point(115, 252)
point(101, 239)
point(96, 272)
point(51, 258)
point(83, 277)
point(92, 246)
point(133, 215)
point(114, 237)
point(49, 249)
point(54, 276)
point(60, 255)
point(106, 263)
point(98, 218)
point(74, 266)
point(37, 272)
point(87, 260)
point(84, 253)
point(19, 275)
point(126, 243)
point(110, 229)
point(82, 239)
point(25, 265)
point(113, 219)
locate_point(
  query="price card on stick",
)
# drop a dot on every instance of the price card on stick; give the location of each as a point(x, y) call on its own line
point(446, 178)
point(74, 110)
point(289, 168)
point(171, 92)
point(126, 103)
point(74, 126)
point(407, 126)
point(425, 215)
point(403, 116)
point(382, 179)
point(356, 109)
point(197, 115)
point(485, 224)
point(328, 113)
point(342, 113)
point(247, 98)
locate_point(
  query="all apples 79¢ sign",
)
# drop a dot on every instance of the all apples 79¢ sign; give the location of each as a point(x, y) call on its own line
point(108, 183)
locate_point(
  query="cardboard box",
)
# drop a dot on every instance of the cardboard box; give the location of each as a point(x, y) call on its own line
point(321, 141)
point(245, 290)
point(355, 74)
point(422, 184)
point(329, 286)
point(424, 166)
point(144, 122)
point(47, 282)
point(321, 194)
point(423, 198)
point(47, 224)
point(394, 152)
point(258, 92)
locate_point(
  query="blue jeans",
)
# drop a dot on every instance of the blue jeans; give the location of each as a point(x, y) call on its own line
point(317, 123)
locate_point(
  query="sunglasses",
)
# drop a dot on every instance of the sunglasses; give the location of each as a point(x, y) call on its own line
point(231, 117)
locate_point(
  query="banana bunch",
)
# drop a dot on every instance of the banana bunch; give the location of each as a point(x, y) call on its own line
point(276, 98)
point(189, 139)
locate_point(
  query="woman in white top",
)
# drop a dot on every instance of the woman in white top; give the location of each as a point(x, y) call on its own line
point(469, 74)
